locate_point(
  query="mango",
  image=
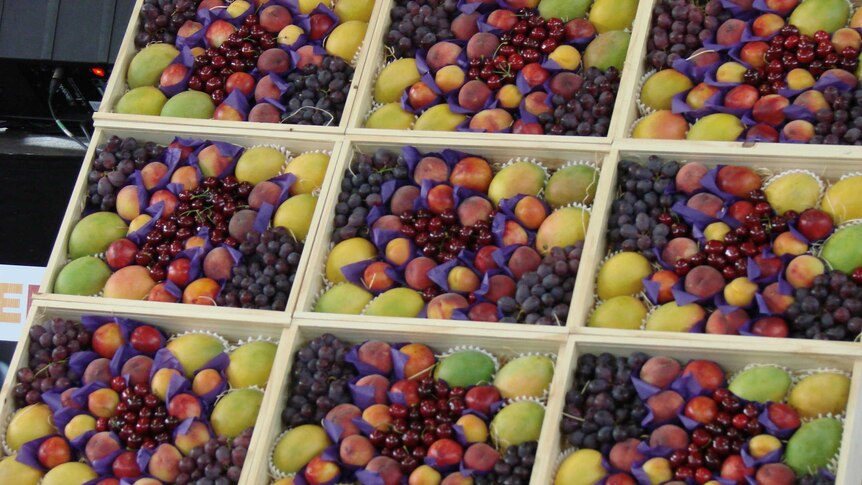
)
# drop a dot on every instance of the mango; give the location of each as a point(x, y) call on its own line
point(843, 200)
point(13, 471)
point(517, 178)
point(841, 249)
point(562, 228)
point(583, 467)
point(345, 39)
point(660, 88)
point(250, 364)
point(517, 423)
point(354, 10)
point(94, 233)
point(29, 423)
point(622, 274)
point(194, 350)
point(716, 127)
point(529, 375)
point(70, 473)
point(190, 104)
point(813, 15)
point(145, 100)
point(795, 191)
point(397, 302)
point(147, 65)
point(573, 184)
point(823, 393)
point(347, 252)
point(761, 384)
point(84, 276)
point(661, 125)
point(309, 170)
point(438, 118)
point(671, 317)
point(564, 9)
point(236, 411)
point(343, 298)
point(606, 15)
point(394, 79)
point(813, 445)
point(625, 312)
point(258, 164)
point(607, 50)
point(390, 116)
point(295, 215)
point(466, 368)
point(298, 446)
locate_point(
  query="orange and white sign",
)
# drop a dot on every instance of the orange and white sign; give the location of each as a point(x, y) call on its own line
point(17, 286)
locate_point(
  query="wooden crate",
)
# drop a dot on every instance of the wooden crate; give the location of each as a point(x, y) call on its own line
point(169, 320)
point(508, 344)
point(117, 87)
point(731, 358)
point(165, 134)
point(584, 297)
point(630, 114)
point(551, 156)
point(376, 58)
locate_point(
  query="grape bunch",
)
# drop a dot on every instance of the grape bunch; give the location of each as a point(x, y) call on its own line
point(316, 95)
point(679, 28)
point(419, 24)
point(360, 191)
point(161, 19)
point(603, 408)
point(265, 275)
point(319, 380)
point(514, 467)
point(818, 479)
point(830, 310)
point(51, 344)
point(841, 122)
point(542, 297)
point(588, 112)
point(115, 161)
point(217, 462)
point(637, 214)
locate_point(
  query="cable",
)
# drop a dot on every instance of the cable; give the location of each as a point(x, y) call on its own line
point(52, 88)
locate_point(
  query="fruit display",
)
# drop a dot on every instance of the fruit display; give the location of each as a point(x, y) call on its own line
point(513, 66)
point(197, 221)
point(453, 235)
point(653, 419)
point(770, 70)
point(377, 412)
point(728, 249)
point(103, 399)
point(266, 61)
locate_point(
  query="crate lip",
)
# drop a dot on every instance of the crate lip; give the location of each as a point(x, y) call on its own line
point(245, 138)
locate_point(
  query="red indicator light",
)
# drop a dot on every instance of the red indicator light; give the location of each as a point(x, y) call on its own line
point(98, 71)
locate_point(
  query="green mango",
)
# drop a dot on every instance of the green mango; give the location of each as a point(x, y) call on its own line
point(84, 276)
point(564, 9)
point(813, 15)
point(573, 184)
point(236, 411)
point(517, 178)
point(250, 364)
point(343, 298)
point(841, 249)
point(145, 100)
point(761, 384)
point(671, 317)
point(298, 446)
point(530, 376)
point(390, 116)
point(609, 15)
point(608, 50)
point(517, 423)
point(813, 445)
point(626, 312)
point(397, 302)
point(466, 368)
point(716, 127)
point(194, 350)
point(190, 104)
point(439, 118)
point(94, 233)
point(147, 65)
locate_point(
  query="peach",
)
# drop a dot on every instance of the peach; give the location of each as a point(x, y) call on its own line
point(264, 113)
point(535, 103)
point(699, 95)
point(408, 390)
point(443, 54)
point(197, 435)
point(161, 380)
point(523, 260)
point(625, 454)
point(475, 430)
point(775, 300)
point(152, 173)
point(565, 84)
point(266, 88)
point(706, 203)
point(442, 306)
point(387, 469)
point(307, 56)
point(770, 109)
point(463, 280)
point(201, 291)
point(101, 445)
point(484, 260)
point(502, 19)
point(138, 222)
point(730, 72)
point(185, 405)
point(99, 370)
point(130, 283)
point(388, 222)
point(531, 212)
point(107, 339)
point(167, 198)
point(519, 127)
point(474, 209)
point(207, 381)
point(788, 243)
point(375, 278)
point(799, 130)
point(730, 32)
point(425, 475)
point(770, 327)
point(491, 120)
point(380, 385)
point(703, 57)
point(319, 471)
point(762, 132)
point(660, 371)
point(666, 279)
point(726, 324)
point(670, 436)
point(211, 161)
point(743, 96)
point(356, 450)
point(399, 251)
point(378, 417)
point(707, 373)
point(799, 78)
point(846, 78)
point(766, 25)
point(846, 37)
point(430, 168)
point(661, 125)
point(165, 463)
point(689, 176)
point(812, 100)
point(449, 78)
point(274, 18)
point(677, 249)
point(138, 369)
point(420, 96)
point(420, 360)
point(465, 26)
point(402, 199)
point(275, 61)
point(802, 270)
point(128, 203)
point(228, 113)
point(187, 176)
point(481, 457)
point(416, 273)
point(218, 32)
point(218, 264)
point(754, 53)
point(775, 474)
point(500, 286)
point(665, 405)
point(343, 416)
point(482, 45)
point(783, 7)
point(441, 198)
point(103, 402)
point(472, 173)
point(513, 233)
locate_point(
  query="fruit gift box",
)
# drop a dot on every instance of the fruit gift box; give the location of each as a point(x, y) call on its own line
point(400, 403)
point(669, 412)
point(450, 235)
point(756, 71)
point(525, 67)
point(264, 61)
point(172, 216)
point(729, 245)
point(134, 398)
